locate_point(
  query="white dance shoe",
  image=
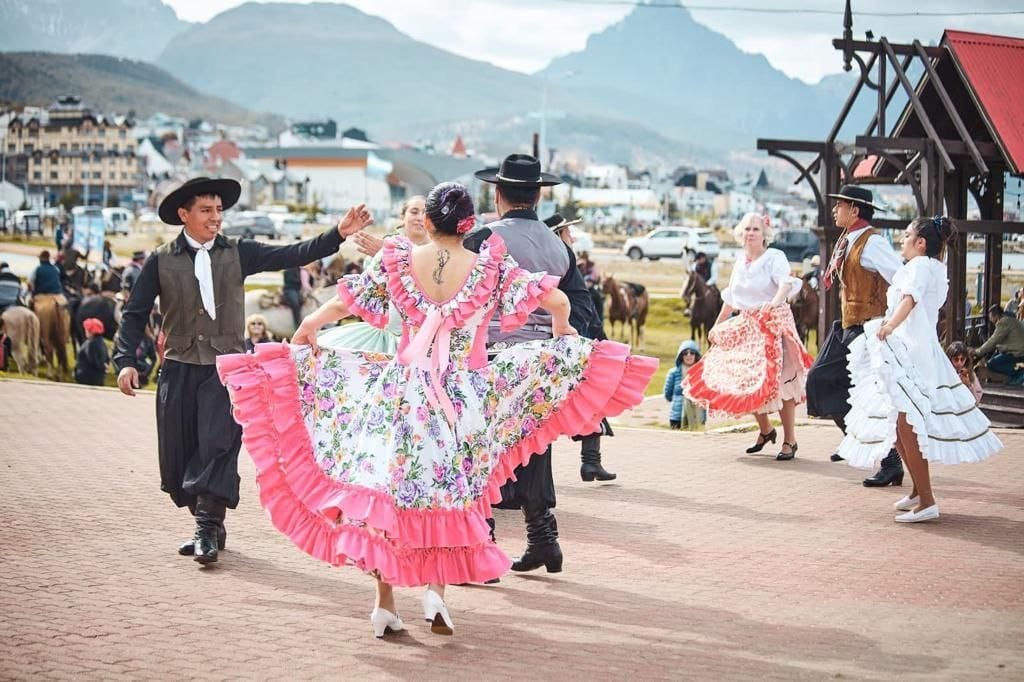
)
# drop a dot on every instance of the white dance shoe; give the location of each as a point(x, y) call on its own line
point(436, 613)
point(907, 503)
point(383, 621)
point(926, 514)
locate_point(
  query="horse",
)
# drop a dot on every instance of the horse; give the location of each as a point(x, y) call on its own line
point(280, 323)
point(805, 308)
point(54, 330)
point(705, 303)
point(22, 326)
point(628, 304)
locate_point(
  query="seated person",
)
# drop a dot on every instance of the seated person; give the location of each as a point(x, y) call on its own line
point(1007, 343)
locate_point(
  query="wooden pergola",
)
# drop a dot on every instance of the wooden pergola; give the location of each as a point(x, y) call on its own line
point(958, 136)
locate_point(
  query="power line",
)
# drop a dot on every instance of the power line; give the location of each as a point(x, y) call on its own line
point(787, 10)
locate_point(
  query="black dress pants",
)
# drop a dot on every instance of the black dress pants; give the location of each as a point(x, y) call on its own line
point(198, 438)
point(828, 381)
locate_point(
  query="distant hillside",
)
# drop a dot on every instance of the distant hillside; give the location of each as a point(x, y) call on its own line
point(139, 29)
point(112, 84)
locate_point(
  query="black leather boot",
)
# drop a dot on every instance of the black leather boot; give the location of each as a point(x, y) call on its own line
point(590, 456)
point(541, 541)
point(188, 548)
point(890, 473)
point(209, 520)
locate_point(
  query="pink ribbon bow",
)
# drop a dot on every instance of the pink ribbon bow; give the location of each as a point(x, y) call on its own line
point(433, 333)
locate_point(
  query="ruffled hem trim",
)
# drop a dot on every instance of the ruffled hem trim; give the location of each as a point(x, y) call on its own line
point(408, 547)
point(623, 378)
point(777, 328)
point(948, 425)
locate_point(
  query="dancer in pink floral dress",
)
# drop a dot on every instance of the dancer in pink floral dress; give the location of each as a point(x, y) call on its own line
point(391, 464)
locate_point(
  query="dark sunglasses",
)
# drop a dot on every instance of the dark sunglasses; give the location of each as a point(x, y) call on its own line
point(689, 352)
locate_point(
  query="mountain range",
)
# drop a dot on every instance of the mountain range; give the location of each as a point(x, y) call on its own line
point(654, 86)
point(114, 85)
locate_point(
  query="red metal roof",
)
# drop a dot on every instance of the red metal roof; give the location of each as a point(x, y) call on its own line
point(993, 67)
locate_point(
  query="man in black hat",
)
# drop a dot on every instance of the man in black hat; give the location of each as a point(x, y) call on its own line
point(131, 273)
point(199, 277)
point(863, 264)
point(588, 323)
point(535, 247)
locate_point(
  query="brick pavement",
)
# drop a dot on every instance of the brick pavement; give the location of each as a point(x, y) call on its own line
point(699, 563)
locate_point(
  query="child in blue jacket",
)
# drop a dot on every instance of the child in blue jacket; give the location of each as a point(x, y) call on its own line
point(683, 413)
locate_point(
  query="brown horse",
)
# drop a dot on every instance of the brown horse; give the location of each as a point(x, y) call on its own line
point(54, 330)
point(628, 304)
point(805, 309)
point(705, 303)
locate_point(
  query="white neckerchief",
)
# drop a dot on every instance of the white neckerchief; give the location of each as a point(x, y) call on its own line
point(204, 273)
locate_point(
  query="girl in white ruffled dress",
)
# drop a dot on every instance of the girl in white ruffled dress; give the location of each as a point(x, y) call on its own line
point(905, 389)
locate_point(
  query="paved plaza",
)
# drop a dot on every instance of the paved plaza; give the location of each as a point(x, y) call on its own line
point(700, 562)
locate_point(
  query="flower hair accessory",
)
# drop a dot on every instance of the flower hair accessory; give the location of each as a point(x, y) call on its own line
point(466, 224)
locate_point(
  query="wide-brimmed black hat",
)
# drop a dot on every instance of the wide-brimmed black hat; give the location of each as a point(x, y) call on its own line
point(227, 189)
point(856, 195)
point(518, 170)
point(556, 222)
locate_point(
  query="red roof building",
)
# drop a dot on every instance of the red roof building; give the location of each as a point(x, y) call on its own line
point(993, 68)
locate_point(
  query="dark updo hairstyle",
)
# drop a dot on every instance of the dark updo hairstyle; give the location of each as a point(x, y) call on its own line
point(450, 208)
point(936, 233)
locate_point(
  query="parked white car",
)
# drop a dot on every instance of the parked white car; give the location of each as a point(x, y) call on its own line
point(672, 241)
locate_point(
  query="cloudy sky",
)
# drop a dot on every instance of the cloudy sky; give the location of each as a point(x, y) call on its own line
point(524, 35)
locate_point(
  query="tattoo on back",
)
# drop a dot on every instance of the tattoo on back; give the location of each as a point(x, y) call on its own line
point(442, 260)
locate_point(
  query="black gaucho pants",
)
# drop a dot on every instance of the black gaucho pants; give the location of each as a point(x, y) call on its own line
point(198, 438)
point(828, 381)
point(534, 484)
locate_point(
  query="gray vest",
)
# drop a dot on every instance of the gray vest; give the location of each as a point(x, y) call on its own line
point(192, 337)
point(535, 248)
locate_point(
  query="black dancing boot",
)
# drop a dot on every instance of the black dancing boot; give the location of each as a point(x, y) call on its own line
point(890, 473)
point(210, 513)
point(541, 541)
point(188, 548)
point(590, 456)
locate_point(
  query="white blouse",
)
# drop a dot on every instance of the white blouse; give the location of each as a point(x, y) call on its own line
point(756, 283)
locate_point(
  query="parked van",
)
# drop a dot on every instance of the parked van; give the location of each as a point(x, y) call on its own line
point(27, 222)
point(117, 220)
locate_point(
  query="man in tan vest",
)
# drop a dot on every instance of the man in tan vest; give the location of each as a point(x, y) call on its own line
point(199, 277)
point(863, 263)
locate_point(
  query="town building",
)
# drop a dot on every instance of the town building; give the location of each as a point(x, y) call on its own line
point(66, 148)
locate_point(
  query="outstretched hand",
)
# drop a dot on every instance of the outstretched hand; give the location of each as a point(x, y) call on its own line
point(357, 218)
point(367, 244)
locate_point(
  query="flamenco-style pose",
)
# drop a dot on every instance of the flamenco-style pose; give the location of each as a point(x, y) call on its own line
point(905, 390)
point(757, 363)
point(391, 463)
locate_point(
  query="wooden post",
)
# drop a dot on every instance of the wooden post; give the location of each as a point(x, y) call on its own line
point(991, 208)
point(828, 302)
point(956, 260)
